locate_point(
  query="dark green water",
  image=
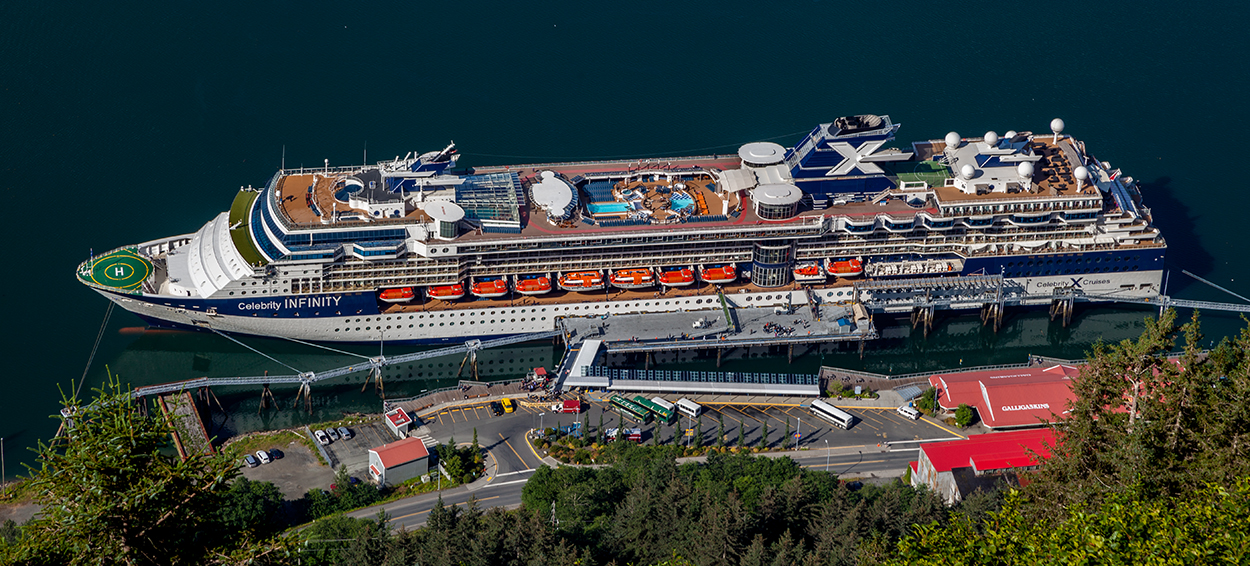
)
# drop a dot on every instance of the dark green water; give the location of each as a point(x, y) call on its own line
point(122, 124)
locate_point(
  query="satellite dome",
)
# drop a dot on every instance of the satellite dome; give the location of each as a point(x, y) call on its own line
point(1025, 170)
point(1081, 173)
point(1056, 126)
point(952, 139)
point(968, 171)
point(1010, 135)
point(991, 137)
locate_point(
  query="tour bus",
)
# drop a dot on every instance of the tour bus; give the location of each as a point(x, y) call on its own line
point(838, 417)
point(630, 410)
point(662, 414)
point(689, 408)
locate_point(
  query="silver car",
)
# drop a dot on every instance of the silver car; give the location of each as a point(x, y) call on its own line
point(346, 434)
point(322, 439)
point(333, 435)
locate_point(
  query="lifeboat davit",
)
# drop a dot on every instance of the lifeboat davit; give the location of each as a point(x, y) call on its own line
point(808, 271)
point(581, 281)
point(718, 273)
point(632, 278)
point(445, 292)
point(533, 284)
point(489, 287)
point(676, 276)
point(399, 295)
point(844, 267)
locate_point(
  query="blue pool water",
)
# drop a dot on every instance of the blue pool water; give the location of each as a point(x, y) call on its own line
point(599, 208)
point(681, 201)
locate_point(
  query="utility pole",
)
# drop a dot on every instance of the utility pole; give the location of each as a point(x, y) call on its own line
point(826, 454)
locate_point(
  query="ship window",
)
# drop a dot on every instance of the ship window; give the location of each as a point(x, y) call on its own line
point(231, 292)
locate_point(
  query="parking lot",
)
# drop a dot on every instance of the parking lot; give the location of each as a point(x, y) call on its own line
point(354, 452)
point(872, 425)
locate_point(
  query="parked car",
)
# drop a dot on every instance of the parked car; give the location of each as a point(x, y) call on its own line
point(250, 461)
point(321, 437)
point(496, 408)
point(262, 456)
point(334, 435)
point(346, 434)
point(276, 454)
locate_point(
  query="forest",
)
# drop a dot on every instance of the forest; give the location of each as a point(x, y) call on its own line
point(1151, 467)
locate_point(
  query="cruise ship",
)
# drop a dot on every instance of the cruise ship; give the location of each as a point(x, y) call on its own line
point(419, 250)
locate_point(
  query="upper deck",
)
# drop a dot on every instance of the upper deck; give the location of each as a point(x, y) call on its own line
point(762, 189)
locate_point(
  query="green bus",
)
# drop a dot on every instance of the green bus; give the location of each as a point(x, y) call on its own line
point(667, 416)
point(631, 410)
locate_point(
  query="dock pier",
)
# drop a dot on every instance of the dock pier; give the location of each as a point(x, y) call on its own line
point(190, 436)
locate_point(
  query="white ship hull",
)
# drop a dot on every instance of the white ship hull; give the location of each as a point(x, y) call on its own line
point(463, 324)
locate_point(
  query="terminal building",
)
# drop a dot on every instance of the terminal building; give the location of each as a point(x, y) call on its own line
point(1012, 398)
point(957, 468)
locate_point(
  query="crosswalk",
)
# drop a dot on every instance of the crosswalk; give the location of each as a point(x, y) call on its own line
point(424, 434)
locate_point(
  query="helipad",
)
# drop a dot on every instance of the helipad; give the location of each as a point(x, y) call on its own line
point(122, 269)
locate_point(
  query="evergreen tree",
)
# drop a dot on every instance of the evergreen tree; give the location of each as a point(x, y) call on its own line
point(785, 440)
point(720, 431)
point(599, 430)
point(111, 493)
point(698, 433)
point(764, 435)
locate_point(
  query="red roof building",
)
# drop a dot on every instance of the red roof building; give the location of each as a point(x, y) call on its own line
point(956, 468)
point(398, 462)
point(399, 421)
point(1010, 398)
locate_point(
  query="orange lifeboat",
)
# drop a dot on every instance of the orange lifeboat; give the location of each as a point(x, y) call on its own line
point(581, 281)
point(489, 287)
point(632, 278)
point(844, 267)
point(718, 273)
point(808, 271)
point(676, 276)
point(533, 284)
point(445, 292)
point(399, 295)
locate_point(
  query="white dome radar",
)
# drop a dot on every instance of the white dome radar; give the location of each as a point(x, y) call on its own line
point(1081, 174)
point(991, 138)
point(1056, 126)
point(953, 139)
point(1025, 170)
point(1010, 135)
point(968, 171)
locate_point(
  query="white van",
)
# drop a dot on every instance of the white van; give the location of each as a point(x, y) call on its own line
point(909, 412)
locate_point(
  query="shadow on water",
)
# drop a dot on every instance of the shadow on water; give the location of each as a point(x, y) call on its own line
point(157, 357)
point(1185, 251)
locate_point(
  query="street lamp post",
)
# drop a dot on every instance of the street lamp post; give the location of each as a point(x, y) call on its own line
point(541, 430)
point(826, 454)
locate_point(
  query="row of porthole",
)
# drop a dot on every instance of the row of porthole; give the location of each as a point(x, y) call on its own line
point(422, 325)
point(1068, 261)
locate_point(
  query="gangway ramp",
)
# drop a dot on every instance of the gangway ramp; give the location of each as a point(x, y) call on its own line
point(309, 377)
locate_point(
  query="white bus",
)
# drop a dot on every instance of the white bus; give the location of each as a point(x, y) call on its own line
point(661, 402)
point(689, 408)
point(838, 417)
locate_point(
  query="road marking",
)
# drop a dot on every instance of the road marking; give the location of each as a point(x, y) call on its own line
point(518, 456)
point(746, 415)
point(452, 505)
point(532, 469)
point(944, 428)
point(834, 464)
